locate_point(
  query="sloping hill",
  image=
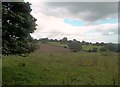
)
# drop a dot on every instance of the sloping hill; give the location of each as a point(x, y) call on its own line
point(47, 48)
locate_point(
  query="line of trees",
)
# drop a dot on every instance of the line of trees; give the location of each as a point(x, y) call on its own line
point(75, 45)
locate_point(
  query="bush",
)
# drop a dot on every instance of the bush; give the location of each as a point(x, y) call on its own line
point(65, 46)
point(75, 46)
point(89, 50)
point(94, 49)
point(74, 51)
point(104, 54)
point(112, 47)
point(103, 49)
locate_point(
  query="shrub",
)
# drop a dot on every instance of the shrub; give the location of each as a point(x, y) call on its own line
point(112, 47)
point(94, 49)
point(89, 50)
point(75, 46)
point(65, 46)
point(103, 49)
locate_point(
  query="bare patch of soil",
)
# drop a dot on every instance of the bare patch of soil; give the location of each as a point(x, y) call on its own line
point(46, 48)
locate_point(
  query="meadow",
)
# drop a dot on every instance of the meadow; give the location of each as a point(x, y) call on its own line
point(60, 67)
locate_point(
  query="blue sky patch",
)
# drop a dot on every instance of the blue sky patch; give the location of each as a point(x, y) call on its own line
point(111, 21)
point(73, 22)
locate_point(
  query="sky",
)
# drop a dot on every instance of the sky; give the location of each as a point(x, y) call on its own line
point(88, 21)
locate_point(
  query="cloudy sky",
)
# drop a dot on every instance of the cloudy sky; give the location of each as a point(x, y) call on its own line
point(89, 21)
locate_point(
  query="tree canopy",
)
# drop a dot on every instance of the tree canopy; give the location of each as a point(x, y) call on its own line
point(17, 24)
point(75, 46)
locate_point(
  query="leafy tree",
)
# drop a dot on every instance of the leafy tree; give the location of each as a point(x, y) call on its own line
point(97, 43)
point(87, 43)
point(75, 46)
point(17, 23)
point(90, 43)
point(56, 40)
point(44, 40)
point(102, 44)
point(83, 42)
point(51, 40)
point(64, 40)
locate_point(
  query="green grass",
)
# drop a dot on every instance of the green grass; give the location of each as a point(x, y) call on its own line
point(89, 47)
point(84, 47)
point(61, 69)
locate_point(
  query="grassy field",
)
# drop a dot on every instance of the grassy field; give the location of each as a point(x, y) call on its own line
point(89, 47)
point(61, 68)
point(85, 47)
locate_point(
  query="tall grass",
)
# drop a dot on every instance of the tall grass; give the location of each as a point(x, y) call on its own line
point(61, 69)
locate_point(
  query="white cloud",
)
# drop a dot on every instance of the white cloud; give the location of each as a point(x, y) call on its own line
point(54, 27)
point(51, 24)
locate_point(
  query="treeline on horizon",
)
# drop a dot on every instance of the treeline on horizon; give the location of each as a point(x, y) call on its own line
point(76, 45)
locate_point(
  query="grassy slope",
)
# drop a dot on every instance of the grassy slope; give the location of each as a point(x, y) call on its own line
point(61, 68)
point(85, 47)
point(89, 47)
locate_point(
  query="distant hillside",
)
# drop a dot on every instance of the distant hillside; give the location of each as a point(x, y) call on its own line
point(48, 48)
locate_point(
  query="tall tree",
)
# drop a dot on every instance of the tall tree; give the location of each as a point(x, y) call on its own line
point(17, 23)
point(64, 40)
point(75, 46)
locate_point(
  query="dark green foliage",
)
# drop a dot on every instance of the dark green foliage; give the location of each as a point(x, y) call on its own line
point(118, 47)
point(112, 47)
point(83, 43)
point(75, 46)
point(97, 43)
point(64, 40)
point(102, 44)
point(44, 40)
point(51, 40)
point(65, 46)
point(56, 40)
point(89, 50)
point(104, 49)
point(94, 49)
point(17, 23)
